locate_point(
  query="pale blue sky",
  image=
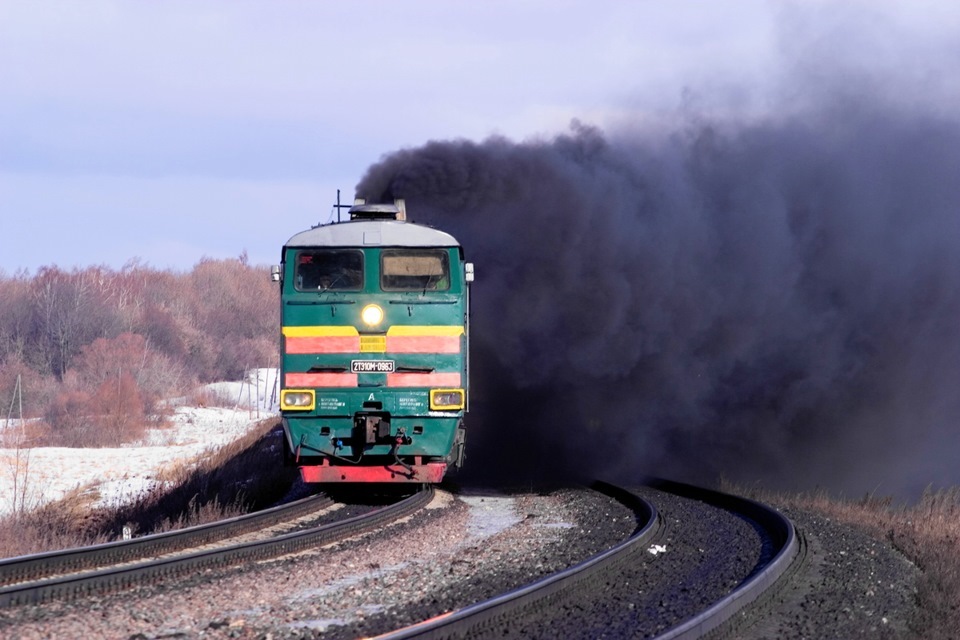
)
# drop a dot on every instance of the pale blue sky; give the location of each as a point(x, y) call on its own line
point(170, 131)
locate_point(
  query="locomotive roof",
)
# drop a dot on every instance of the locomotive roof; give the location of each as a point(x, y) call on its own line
point(372, 233)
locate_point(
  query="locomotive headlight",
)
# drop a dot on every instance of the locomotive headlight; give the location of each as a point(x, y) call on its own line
point(446, 399)
point(297, 399)
point(372, 315)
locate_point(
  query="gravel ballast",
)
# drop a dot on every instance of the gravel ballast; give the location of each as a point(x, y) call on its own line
point(849, 585)
point(477, 544)
point(462, 549)
point(701, 555)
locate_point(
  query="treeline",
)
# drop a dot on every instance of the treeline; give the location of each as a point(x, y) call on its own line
point(95, 350)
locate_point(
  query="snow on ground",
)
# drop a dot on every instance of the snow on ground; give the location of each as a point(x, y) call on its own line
point(31, 477)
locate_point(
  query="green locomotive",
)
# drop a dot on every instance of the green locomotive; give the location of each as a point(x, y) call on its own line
point(374, 349)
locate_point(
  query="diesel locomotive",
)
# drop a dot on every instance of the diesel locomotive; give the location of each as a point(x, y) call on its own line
point(375, 335)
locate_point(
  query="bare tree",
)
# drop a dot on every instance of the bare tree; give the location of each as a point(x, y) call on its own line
point(15, 317)
point(70, 311)
point(168, 328)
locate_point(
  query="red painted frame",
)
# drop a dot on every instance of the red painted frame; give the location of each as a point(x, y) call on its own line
point(432, 472)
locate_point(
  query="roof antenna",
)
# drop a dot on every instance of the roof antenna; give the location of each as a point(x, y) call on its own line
point(339, 206)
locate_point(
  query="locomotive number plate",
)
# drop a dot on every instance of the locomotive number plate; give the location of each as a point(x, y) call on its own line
point(372, 366)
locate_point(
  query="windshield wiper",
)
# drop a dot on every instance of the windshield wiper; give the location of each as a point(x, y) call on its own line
point(431, 280)
point(332, 282)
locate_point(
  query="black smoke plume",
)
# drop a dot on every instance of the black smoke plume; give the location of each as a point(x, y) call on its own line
point(774, 301)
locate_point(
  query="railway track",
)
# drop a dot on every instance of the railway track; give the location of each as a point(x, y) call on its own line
point(522, 612)
point(622, 591)
point(782, 551)
point(75, 573)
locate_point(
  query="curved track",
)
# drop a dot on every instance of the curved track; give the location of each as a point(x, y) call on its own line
point(537, 600)
point(75, 573)
point(784, 553)
point(475, 620)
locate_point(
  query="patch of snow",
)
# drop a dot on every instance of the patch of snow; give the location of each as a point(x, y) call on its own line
point(260, 391)
point(32, 477)
point(320, 625)
point(350, 581)
point(490, 515)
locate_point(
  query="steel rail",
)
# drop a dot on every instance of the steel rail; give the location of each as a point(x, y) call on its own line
point(472, 620)
point(788, 552)
point(42, 565)
point(115, 579)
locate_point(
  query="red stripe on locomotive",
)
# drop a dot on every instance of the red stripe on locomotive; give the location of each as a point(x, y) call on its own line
point(323, 344)
point(320, 380)
point(423, 379)
point(423, 344)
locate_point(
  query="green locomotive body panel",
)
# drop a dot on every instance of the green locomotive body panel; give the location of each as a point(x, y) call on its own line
point(374, 352)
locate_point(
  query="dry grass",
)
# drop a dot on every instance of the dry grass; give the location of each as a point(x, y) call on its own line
point(246, 475)
point(243, 476)
point(928, 533)
point(52, 526)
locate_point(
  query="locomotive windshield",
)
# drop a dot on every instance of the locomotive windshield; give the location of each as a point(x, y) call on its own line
point(415, 270)
point(329, 270)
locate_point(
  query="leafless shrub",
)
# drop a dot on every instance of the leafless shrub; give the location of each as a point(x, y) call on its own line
point(71, 420)
point(118, 408)
point(113, 393)
point(156, 375)
point(197, 512)
point(15, 464)
point(210, 324)
point(35, 391)
point(59, 525)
